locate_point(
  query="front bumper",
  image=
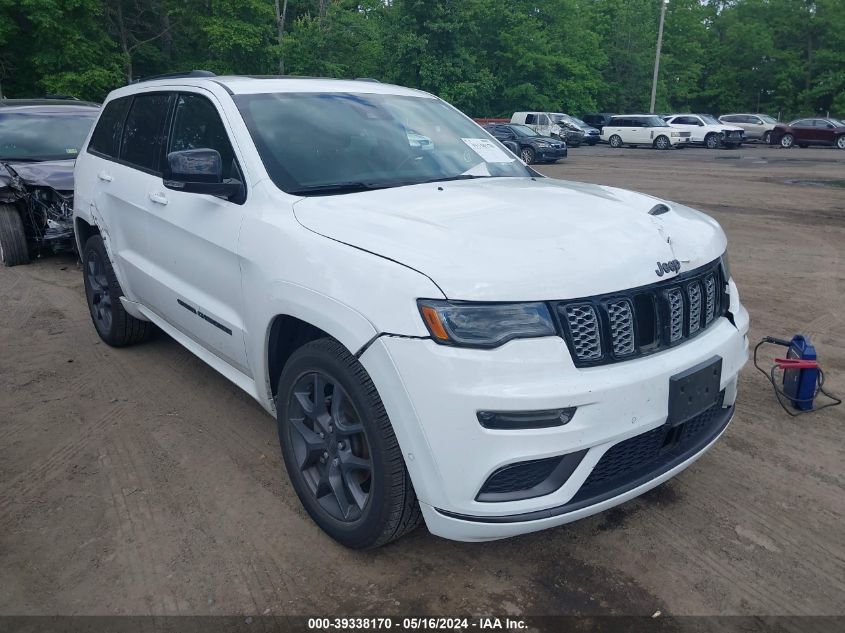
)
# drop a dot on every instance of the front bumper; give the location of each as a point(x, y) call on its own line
point(432, 394)
point(550, 153)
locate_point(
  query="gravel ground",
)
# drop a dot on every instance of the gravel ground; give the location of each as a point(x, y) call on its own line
point(139, 481)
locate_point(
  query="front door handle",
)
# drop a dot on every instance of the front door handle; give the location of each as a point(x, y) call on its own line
point(158, 197)
point(104, 176)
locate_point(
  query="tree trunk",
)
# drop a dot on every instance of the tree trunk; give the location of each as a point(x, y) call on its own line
point(280, 31)
point(124, 43)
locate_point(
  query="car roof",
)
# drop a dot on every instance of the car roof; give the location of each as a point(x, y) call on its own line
point(41, 104)
point(243, 84)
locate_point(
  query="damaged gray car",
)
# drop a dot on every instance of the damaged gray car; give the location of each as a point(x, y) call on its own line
point(39, 142)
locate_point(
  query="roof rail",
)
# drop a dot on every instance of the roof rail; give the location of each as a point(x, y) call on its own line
point(178, 75)
point(375, 81)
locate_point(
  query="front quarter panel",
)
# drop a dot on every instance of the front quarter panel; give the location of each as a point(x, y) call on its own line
point(351, 294)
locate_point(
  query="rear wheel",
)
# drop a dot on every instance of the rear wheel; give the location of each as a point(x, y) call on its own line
point(615, 141)
point(339, 448)
point(662, 142)
point(114, 324)
point(787, 140)
point(767, 137)
point(711, 141)
point(13, 249)
point(527, 155)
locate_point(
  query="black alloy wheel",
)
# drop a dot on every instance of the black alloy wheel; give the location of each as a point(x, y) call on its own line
point(114, 324)
point(340, 449)
point(99, 293)
point(330, 446)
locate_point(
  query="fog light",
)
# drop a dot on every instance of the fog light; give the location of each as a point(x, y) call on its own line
point(511, 420)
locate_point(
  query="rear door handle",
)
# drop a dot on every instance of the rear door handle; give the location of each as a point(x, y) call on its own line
point(104, 176)
point(158, 197)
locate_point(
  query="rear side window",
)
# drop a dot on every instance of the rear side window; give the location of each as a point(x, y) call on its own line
point(197, 125)
point(530, 119)
point(106, 137)
point(143, 131)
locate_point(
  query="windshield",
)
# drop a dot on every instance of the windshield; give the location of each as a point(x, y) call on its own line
point(767, 119)
point(323, 143)
point(524, 130)
point(709, 119)
point(837, 122)
point(43, 136)
point(579, 122)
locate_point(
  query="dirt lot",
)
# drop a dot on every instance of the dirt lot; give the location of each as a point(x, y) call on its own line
point(140, 481)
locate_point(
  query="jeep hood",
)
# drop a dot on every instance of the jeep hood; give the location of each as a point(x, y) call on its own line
point(518, 239)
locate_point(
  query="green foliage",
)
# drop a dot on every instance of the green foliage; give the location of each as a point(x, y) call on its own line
point(488, 57)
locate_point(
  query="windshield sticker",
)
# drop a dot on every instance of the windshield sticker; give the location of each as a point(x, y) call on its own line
point(488, 150)
point(71, 150)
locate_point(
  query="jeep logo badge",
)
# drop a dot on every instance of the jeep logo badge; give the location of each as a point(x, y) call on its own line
point(671, 266)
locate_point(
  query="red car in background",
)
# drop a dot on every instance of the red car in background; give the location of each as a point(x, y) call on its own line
point(806, 132)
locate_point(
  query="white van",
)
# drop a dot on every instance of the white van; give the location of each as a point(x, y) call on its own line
point(540, 122)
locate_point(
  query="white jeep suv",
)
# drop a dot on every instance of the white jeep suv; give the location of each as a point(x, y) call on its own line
point(441, 332)
point(707, 130)
point(642, 129)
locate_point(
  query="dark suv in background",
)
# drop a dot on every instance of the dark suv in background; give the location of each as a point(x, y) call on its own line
point(39, 142)
point(597, 120)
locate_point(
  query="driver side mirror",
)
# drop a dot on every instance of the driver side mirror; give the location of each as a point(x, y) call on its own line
point(199, 171)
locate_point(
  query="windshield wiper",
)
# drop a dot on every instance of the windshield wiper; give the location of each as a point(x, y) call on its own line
point(22, 160)
point(339, 187)
point(448, 178)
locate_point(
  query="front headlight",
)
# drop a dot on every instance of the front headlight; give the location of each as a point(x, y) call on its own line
point(676, 134)
point(484, 324)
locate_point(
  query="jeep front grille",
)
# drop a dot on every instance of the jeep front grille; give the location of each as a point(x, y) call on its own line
point(622, 325)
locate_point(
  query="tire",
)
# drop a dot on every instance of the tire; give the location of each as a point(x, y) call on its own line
point(615, 141)
point(767, 137)
point(13, 248)
point(113, 323)
point(711, 141)
point(373, 502)
point(527, 155)
point(662, 142)
point(840, 141)
point(787, 141)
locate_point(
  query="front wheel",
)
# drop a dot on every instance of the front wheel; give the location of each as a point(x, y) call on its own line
point(113, 323)
point(840, 142)
point(787, 141)
point(527, 155)
point(662, 142)
point(13, 249)
point(339, 448)
point(615, 141)
point(711, 141)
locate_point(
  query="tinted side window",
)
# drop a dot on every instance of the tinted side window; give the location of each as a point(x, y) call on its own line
point(198, 126)
point(803, 123)
point(530, 119)
point(142, 132)
point(106, 136)
point(731, 119)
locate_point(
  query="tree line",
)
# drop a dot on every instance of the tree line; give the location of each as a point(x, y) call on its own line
point(488, 57)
